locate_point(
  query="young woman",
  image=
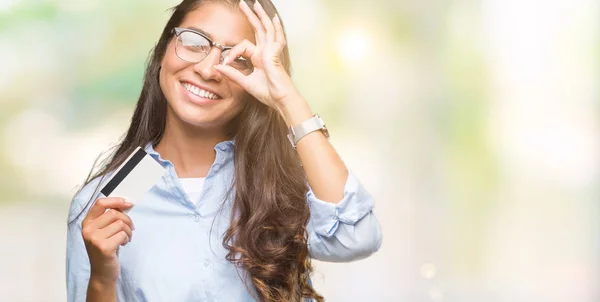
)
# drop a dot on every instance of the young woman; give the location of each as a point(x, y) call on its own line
point(241, 209)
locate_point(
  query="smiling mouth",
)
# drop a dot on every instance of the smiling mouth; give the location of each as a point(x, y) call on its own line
point(195, 90)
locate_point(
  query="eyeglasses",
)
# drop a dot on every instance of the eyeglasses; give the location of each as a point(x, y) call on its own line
point(192, 46)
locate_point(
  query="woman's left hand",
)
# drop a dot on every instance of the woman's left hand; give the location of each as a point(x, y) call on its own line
point(269, 82)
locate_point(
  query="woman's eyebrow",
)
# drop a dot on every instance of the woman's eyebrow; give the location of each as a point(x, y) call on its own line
point(200, 31)
point(207, 34)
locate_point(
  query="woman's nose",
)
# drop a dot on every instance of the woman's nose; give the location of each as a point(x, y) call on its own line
point(205, 67)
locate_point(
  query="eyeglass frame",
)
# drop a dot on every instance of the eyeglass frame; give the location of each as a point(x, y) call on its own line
point(179, 30)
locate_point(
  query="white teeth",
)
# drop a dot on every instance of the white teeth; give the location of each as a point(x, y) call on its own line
point(200, 92)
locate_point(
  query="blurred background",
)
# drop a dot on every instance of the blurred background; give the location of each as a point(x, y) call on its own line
point(475, 124)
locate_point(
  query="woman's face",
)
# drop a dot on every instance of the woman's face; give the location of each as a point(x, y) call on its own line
point(184, 84)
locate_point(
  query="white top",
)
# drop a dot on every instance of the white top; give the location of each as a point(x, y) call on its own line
point(193, 188)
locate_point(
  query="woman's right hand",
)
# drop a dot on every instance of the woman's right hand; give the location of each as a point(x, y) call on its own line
point(104, 229)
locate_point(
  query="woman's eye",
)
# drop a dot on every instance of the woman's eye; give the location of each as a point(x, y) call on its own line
point(194, 42)
point(240, 62)
point(197, 47)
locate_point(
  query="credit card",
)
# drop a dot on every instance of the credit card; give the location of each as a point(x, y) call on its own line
point(135, 177)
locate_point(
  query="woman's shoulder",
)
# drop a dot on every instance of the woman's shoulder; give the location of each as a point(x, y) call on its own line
point(86, 195)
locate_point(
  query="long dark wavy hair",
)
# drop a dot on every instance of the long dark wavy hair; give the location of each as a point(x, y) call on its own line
point(267, 234)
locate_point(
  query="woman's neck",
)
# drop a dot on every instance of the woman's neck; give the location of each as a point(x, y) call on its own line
point(190, 149)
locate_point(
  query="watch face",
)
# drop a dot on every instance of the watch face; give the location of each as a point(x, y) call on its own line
point(291, 138)
point(320, 120)
point(323, 127)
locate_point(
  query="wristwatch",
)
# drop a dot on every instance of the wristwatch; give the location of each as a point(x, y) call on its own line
point(310, 125)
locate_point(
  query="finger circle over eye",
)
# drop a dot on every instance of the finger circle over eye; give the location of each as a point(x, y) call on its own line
point(244, 49)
